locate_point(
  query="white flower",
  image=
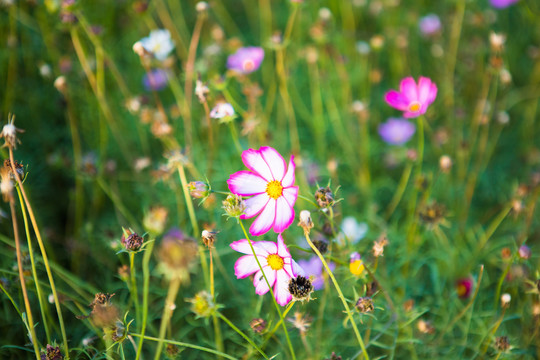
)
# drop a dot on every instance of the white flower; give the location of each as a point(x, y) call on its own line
point(159, 43)
point(222, 110)
point(352, 230)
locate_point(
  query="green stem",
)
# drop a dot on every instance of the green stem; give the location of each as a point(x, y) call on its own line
point(174, 286)
point(398, 195)
point(146, 285)
point(134, 292)
point(271, 292)
point(222, 317)
point(340, 294)
point(183, 344)
point(234, 135)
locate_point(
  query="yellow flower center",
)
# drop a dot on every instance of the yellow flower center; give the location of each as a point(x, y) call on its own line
point(356, 267)
point(274, 189)
point(275, 261)
point(414, 106)
point(248, 65)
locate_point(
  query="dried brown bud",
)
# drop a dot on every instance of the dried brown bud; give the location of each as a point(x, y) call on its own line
point(324, 197)
point(258, 325)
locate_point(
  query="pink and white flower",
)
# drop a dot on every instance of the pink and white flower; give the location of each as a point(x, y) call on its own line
point(246, 60)
point(276, 262)
point(411, 98)
point(271, 187)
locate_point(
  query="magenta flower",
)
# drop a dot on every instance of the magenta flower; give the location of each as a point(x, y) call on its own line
point(246, 60)
point(314, 267)
point(501, 4)
point(411, 98)
point(276, 262)
point(271, 187)
point(464, 287)
point(396, 131)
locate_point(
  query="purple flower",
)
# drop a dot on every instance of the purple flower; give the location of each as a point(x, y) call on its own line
point(314, 267)
point(501, 4)
point(156, 80)
point(246, 60)
point(429, 25)
point(396, 131)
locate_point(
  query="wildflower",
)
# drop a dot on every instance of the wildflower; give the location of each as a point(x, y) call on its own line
point(131, 240)
point(177, 253)
point(258, 325)
point(396, 131)
point(246, 60)
point(505, 299)
point(223, 111)
point(154, 221)
point(300, 288)
point(9, 133)
point(272, 185)
point(201, 6)
point(445, 163)
point(276, 262)
point(302, 323)
point(202, 304)
point(433, 214)
point(356, 265)
point(524, 252)
point(353, 230)
point(501, 4)
point(201, 90)
point(305, 220)
point(209, 238)
point(51, 352)
point(502, 344)
point(497, 41)
point(429, 25)
point(234, 205)
point(155, 80)
point(324, 197)
point(314, 269)
point(413, 99)
point(364, 304)
point(425, 327)
point(378, 246)
point(464, 287)
point(158, 43)
point(60, 84)
point(198, 189)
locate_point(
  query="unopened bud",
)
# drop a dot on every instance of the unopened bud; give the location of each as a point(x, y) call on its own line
point(198, 189)
point(505, 299)
point(209, 238)
point(305, 220)
point(201, 6)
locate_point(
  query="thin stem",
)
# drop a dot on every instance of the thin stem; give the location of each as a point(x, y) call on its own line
point(227, 321)
point(134, 292)
point(43, 254)
point(174, 286)
point(271, 292)
point(183, 344)
point(217, 329)
point(234, 135)
point(398, 195)
point(340, 293)
point(146, 285)
point(278, 324)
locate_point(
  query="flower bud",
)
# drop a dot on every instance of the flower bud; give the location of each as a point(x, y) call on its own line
point(258, 325)
point(131, 240)
point(364, 304)
point(198, 189)
point(305, 221)
point(202, 304)
point(505, 299)
point(324, 197)
point(234, 205)
point(524, 252)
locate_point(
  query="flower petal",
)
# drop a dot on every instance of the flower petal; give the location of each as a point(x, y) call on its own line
point(268, 247)
point(281, 289)
point(282, 248)
point(284, 215)
point(255, 162)
point(297, 269)
point(291, 194)
point(408, 88)
point(247, 265)
point(265, 220)
point(424, 88)
point(261, 287)
point(432, 94)
point(246, 183)
point(275, 162)
point(242, 246)
point(254, 205)
point(396, 100)
point(288, 179)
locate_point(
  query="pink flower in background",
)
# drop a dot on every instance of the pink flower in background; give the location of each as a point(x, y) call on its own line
point(314, 267)
point(464, 287)
point(271, 187)
point(501, 4)
point(246, 60)
point(429, 25)
point(396, 131)
point(276, 262)
point(411, 98)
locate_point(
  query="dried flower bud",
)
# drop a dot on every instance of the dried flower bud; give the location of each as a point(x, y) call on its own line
point(124, 272)
point(364, 304)
point(524, 252)
point(334, 357)
point(6, 184)
point(9, 133)
point(258, 325)
point(104, 313)
point(202, 304)
point(234, 205)
point(378, 246)
point(432, 215)
point(301, 322)
point(324, 197)
point(209, 238)
point(497, 41)
point(118, 331)
point(300, 288)
point(505, 299)
point(172, 350)
point(506, 253)
point(408, 305)
point(198, 189)
point(305, 221)
point(321, 245)
point(502, 344)
point(131, 240)
point(51, 352)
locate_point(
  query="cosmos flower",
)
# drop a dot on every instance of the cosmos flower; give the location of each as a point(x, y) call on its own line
point(276, 262)
point(501, 4)
point(158, 43)
point(222, 110)
point(429, 25)
point(155, 80)
point(246, 60)
point(271, 187)
point(464, 287)
point(314, 267)
point(411, 98)
point(396, 131)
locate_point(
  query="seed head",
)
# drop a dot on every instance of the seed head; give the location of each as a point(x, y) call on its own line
point(425, 327)
point(52, 352)
point(234, 205)
point(334, 357)
point(172, 351)
point(9, 133)
point(502, 344)
point(445, 163)
point(365, 304)
point(378, 246)
point(433, 215)
point(209, 238)
point(301, 322)
point(131, 240)
point(300, 288)
point(258, 325)
point(324, 197)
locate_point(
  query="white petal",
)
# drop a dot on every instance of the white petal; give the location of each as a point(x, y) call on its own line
point(275, 162)
point(255, 162)
point(288, 179)
point(281, 289)
point(284, 215)
point(247, 265)
point(261, 287)
point(265, 220)
point(254, 205)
